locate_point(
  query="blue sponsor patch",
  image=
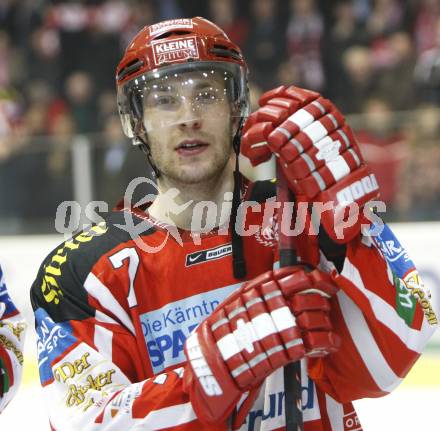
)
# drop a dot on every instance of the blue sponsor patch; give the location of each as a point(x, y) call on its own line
point(53, 339)
point(403, 271)
point(396, 256)
point(5, 298)
point(166, 329)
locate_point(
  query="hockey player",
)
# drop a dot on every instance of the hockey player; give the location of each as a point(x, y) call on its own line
point(12, 334)
point(187, 325)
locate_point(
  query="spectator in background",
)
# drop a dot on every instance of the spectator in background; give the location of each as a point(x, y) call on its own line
point(70, 19)
point(304, 36)
point(360, 82)
point(43, 57)
point(169, 9)
point(10, 143)
point(58, 163)
point(265, 45)
point(106, 107)
point(421, 181)
point(383, 146)
point(386, 17)
point(80, 95)
point(225, 15)
point(24, 162)
point(116, 163)
point(395, 78)
point(347, 30)
point(106, 23)
point(425, 25)
point(427, 72)
point(142, 13)
point(5, 58)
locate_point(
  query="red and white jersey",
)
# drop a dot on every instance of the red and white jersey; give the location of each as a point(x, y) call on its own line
point(12, 333)
point(112, 318)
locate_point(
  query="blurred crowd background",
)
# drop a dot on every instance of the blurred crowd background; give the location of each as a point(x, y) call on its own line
point(60, 134)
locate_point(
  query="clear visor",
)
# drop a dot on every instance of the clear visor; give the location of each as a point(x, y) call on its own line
point(184, 94)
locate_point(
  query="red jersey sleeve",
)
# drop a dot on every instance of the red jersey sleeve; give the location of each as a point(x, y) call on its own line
point(384, 316)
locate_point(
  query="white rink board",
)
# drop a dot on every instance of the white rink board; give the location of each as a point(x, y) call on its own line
point(408, 408)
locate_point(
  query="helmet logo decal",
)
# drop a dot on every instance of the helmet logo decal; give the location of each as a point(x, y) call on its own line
point(175, 50)
point(171, 24)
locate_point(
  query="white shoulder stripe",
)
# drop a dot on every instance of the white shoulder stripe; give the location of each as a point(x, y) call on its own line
point(386, 314)
point(103, 341)
point(169, 417)
point(379, 369)
point(102, 294)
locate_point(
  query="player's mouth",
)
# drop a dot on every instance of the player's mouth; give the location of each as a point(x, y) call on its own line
point(191, 147)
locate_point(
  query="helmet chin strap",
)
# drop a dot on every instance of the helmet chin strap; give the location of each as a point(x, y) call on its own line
point(141, 142)
point(238, 260)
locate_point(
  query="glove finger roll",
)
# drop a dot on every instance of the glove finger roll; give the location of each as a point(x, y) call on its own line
point(309, 302)
point(283, 102)
point(324, 282)
point(302, 95)
point(254, 143)
point(314, 320)
point(275, 92)
point(321, 343)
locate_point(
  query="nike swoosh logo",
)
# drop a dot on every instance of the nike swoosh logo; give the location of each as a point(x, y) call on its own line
point(193, 259)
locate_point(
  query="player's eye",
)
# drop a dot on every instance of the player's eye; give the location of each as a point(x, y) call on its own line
point(162, 101)
point(208, 95)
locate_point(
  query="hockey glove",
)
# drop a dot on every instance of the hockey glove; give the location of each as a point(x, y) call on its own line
point(318, 153)
point(274, 319)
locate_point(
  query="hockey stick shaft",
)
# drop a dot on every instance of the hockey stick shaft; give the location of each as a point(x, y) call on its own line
point(288, 257)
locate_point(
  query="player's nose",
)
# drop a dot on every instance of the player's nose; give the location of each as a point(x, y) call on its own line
point(189, 117)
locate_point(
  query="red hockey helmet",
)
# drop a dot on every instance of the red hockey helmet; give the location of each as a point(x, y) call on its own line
point(176, 48)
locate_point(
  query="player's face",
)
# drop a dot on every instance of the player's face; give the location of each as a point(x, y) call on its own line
point(189, 127)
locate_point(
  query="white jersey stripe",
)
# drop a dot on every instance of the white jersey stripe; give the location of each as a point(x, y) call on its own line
point(379, 369)
point(102, 317)
point(335, 413)
point(386, 314)
point(103, 340)
point(102, 294)
point(169, 417)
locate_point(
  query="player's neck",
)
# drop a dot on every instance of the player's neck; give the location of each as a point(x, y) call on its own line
point(186, 205)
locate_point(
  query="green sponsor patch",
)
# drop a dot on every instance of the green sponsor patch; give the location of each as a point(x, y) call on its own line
point(4, 377)
point(405, 302)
